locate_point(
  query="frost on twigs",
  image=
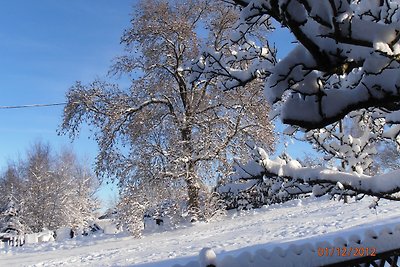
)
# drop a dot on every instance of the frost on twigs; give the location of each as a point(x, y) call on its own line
point(46, 190)
point(340, 85)
point(360, 143)
point(130, 214)
point(170, 130)
point(239, 55)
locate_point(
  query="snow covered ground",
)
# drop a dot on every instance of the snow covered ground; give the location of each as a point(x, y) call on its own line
point(246, 230)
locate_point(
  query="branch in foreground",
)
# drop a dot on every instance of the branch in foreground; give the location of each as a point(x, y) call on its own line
point(382, 186)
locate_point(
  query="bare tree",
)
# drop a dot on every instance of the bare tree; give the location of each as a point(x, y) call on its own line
point(166, 128)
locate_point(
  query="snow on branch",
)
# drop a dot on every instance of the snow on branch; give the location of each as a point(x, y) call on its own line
point(382, 186)
point(240, 54)
point(347, 58)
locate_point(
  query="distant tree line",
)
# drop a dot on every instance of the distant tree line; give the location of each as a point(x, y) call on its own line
point(46, 190)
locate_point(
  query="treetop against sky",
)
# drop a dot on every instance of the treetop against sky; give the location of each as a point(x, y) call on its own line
point(45, 47)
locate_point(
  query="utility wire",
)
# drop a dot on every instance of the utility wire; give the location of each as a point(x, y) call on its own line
point(33, 106)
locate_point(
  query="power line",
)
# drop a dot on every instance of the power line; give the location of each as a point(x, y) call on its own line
point(33, 106)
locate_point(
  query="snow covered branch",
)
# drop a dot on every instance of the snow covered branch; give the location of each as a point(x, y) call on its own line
point(240, 54)
point(347, 58)
point(382, 186)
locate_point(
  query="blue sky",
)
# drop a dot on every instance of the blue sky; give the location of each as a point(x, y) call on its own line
point(47, 45)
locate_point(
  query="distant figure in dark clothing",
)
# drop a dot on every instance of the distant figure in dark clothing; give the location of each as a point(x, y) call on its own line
point(72, 233)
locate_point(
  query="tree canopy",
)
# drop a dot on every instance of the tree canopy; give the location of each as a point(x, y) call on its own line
point(167, 130)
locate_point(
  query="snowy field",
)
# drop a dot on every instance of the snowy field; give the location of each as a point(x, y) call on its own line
point(266, 227)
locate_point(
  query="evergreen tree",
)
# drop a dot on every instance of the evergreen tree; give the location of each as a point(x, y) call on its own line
point(11, 228)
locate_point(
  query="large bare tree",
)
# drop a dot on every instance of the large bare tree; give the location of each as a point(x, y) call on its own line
point(167, 129)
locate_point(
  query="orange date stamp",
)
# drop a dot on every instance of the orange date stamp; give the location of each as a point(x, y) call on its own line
point(346, 251)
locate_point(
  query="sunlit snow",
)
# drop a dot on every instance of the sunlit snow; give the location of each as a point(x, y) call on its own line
point(265, 228)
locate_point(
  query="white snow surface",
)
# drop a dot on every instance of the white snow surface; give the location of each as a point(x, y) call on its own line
point(272, 229)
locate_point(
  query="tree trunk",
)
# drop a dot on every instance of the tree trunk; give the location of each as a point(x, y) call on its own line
point(345, 197)
point(193, 188)
point(192, 182)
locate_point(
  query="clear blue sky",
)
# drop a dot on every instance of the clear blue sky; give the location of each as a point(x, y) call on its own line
point(47, 45)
